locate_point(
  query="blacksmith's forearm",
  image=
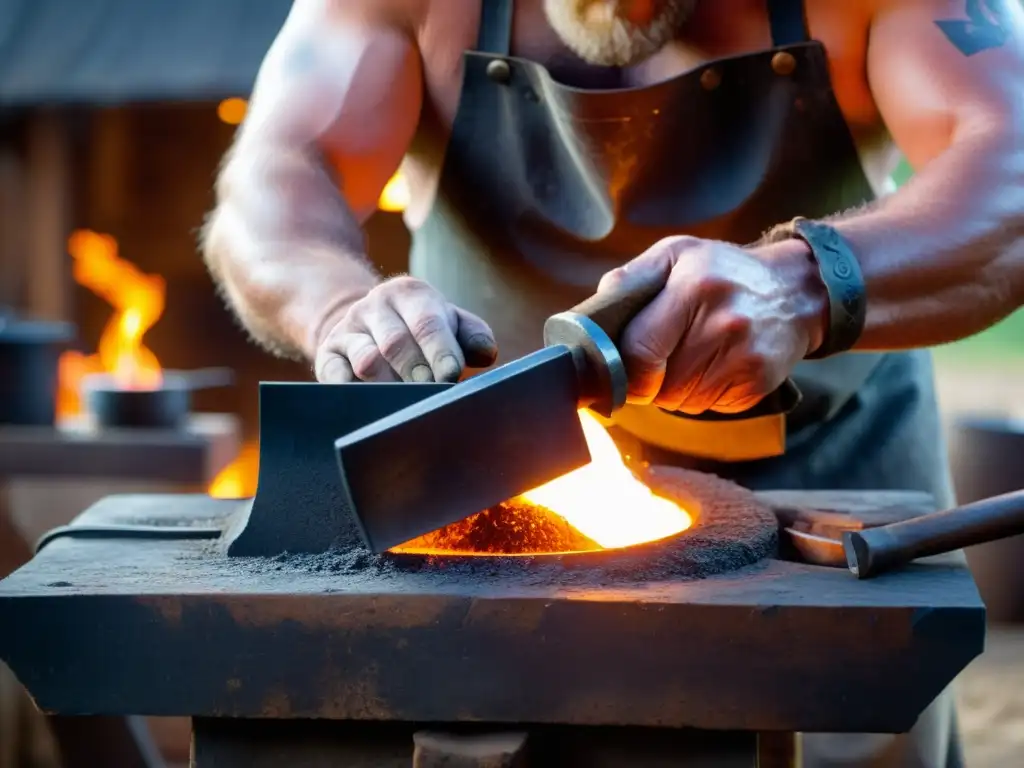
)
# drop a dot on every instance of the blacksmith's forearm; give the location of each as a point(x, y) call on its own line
point(288, 259)
point(943, 258)
point(283, 292)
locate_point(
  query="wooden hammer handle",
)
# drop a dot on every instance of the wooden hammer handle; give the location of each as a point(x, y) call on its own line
point(612, 310)
point(876, 550)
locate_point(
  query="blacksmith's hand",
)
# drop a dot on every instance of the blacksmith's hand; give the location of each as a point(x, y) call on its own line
point(727, 328)
point(403, 330)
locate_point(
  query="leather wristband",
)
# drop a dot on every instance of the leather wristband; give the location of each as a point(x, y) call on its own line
point(844, 282)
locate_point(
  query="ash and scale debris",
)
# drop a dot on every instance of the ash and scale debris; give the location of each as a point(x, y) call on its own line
point(513, 527)
point(733, 530)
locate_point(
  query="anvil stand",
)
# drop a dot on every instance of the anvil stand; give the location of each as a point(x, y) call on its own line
point(280, 660)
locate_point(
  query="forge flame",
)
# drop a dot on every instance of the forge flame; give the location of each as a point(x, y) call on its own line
point(602, 505)
point(599, 506)
point(238, 479)
point(605, 501)
point(137, 300)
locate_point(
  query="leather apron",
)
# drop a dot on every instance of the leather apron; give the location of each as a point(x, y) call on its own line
point(546, 186)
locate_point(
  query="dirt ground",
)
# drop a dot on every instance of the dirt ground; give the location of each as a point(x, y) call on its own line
point(991, 702)
point(991, 690)
point(991, 389)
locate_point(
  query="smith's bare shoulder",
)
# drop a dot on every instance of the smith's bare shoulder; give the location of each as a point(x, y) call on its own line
point(943, 257)
point(334, 108)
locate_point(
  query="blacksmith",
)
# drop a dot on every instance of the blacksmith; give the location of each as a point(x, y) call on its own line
point(739, 149)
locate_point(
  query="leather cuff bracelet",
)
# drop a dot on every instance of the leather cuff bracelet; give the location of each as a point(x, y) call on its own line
point(843, 279)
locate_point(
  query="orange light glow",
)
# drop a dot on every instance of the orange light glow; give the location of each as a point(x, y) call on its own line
point(138, 302)
point(238, 479)
point(232, 111)
point(604, 501)
point(602, 505)
point(395, 197)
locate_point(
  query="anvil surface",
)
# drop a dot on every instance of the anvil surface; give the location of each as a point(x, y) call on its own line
point(178, 628)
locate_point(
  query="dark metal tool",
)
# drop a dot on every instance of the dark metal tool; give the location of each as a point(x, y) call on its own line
point(870, 551)
point(503, 432)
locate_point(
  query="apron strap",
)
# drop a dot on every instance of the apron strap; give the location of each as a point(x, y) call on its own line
point(495, 34)
point(788, 23)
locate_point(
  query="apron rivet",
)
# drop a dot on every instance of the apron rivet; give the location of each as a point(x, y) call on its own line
point(710, 79)
point(783, 63)
point(499, 71)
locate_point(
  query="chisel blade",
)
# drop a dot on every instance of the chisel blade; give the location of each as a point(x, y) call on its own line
point(492, 437)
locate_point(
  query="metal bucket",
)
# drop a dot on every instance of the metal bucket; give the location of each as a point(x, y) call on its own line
point(987, 459)
point(29, 353)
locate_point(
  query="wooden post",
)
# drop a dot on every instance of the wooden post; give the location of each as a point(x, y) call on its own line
point(108, 169)
point(779, 750)
point(48, 188)
point(271, 743)
point(12, 228)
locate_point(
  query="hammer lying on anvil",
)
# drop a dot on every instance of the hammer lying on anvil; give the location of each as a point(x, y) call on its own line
point(499, 434)
point(871, 550)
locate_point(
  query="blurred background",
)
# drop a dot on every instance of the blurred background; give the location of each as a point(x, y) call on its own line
point(114, 116)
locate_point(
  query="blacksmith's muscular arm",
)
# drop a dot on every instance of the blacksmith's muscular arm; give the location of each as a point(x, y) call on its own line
point(334, 107)
point(943, 257)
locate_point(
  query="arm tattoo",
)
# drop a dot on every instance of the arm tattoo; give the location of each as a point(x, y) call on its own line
point(986, 26)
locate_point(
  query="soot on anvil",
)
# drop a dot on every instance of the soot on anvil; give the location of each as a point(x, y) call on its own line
point(515, 540)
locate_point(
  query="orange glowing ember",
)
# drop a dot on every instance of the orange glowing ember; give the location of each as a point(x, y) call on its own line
point(604, 500)
point(138, 302)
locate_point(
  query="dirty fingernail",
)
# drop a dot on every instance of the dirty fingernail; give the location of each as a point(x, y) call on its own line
point(482, 342)
point(448, 368)
point(421, 373)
